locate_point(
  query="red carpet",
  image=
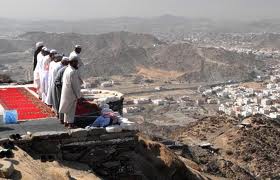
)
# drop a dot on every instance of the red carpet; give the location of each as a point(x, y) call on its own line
point(27, 105)
point(31, 108)
point(85, 108)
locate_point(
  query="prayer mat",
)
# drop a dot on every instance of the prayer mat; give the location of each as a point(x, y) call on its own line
point(27, 105)
point(85, 108)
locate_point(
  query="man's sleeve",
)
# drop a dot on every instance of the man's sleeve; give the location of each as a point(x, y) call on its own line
point(76, 85)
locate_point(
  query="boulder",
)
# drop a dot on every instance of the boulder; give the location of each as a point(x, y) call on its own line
point(6, 169)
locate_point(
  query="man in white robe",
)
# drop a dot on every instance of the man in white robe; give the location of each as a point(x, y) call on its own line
point(45, 74)
point(39, 46)
point(70, 94)
point(76, 53)
point(37, 72)
point(52, 65)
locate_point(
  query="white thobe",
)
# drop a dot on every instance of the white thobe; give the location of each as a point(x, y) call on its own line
point(50, 81)
point(37, 83)
point(70, 93)
point(45, 75)
point(80, 64)
point(54, 67)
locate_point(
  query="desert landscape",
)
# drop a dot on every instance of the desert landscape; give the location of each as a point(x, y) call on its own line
point(202, 94)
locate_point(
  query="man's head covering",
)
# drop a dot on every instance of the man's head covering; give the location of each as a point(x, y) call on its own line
point(53, 51)
point(64, 58)
point(78, 46)
point(74, 58)
point(58, 56)
point(45, 49)
point(39, 44)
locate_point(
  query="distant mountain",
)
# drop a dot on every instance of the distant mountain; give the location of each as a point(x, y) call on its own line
point(119, 53)
point(158, 26)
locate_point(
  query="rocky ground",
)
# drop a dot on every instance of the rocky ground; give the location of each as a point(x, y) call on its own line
point(147, 160)
point(27, 168)
point(222, 146)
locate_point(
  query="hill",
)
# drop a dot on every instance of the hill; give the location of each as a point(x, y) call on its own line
point(243, 153)
point(119, 53)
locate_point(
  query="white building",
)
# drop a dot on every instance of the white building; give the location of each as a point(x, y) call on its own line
point(274, 115)
point(158, 102)
point(131, 110)
point(107, 84)
point(212, 101)
point(142, 101)
point(246, 113)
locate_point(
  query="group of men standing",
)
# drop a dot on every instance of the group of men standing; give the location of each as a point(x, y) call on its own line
point(58, 81)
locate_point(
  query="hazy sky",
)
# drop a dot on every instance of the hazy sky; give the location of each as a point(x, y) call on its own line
point(81, 9)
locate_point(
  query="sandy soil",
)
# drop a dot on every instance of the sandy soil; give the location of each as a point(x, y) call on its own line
point(27, 168)
point(253, 85)
point(158, 73)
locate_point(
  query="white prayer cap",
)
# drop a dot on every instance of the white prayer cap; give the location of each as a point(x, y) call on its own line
point(64, 58)
point(45, 48)
point(78, 46)
point(53, 51)
point(73, 58)
point(39, 44)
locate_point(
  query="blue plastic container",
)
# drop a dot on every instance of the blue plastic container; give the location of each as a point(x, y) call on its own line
point(10, 117)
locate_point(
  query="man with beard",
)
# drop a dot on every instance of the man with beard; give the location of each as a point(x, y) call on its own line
point(70, 93)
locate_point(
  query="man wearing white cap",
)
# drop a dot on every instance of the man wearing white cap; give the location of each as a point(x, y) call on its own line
point(70, 93)
point(39, 46)
point(77, 51)
point(38, 70)
point(52, 65)
point(45, 74)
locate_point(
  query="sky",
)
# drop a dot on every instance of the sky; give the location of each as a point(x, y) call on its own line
point(89, 9)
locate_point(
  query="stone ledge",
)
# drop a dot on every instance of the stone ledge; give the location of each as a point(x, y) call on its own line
point(78, 133)
point(96, 131)
point(49, 135)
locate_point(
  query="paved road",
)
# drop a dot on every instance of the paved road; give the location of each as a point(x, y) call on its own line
point(32, 126)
